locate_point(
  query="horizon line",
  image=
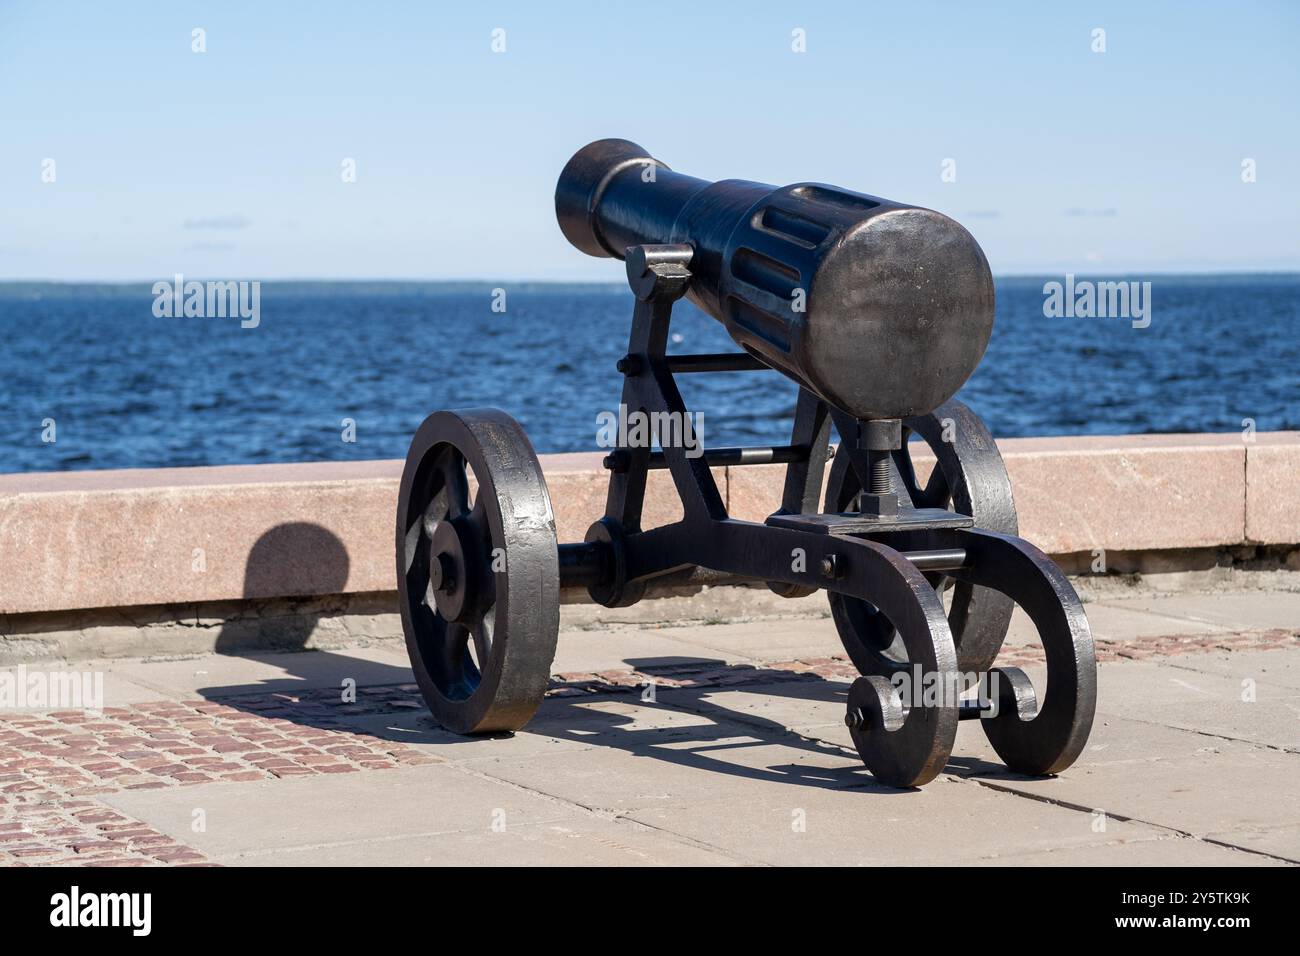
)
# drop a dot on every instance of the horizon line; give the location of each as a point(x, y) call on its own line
point(1016, 274)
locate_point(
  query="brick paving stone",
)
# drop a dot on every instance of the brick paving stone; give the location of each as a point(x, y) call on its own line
point(178, 856)
point(294, 771)
point(242, 775)
point(31, 852)
point(190, 776)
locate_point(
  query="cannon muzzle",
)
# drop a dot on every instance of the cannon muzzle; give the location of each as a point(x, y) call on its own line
point(880, 308)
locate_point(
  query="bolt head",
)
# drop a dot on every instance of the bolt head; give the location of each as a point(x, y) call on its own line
point(442, 572)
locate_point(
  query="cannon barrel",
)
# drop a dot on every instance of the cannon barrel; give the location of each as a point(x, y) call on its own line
point(880, 308)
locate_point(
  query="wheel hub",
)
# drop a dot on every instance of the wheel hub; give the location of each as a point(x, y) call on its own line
point(452, 570)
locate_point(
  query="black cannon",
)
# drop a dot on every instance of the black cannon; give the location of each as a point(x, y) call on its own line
point(880, 311)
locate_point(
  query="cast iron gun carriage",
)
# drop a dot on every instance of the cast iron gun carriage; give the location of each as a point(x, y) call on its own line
point(880, 311)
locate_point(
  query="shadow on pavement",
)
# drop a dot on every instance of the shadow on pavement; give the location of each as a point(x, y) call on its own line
point(388, 706)
point(280, 561)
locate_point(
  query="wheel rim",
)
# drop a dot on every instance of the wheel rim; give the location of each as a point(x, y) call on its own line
point(478, 575)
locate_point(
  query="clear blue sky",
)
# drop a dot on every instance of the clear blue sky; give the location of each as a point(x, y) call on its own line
point(227, 163)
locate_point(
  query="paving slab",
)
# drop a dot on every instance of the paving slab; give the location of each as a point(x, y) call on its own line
point(614, 647)
point(810, 636)
point(761, 640)
point(602, 721)
point(226, 675)
point(573, 842)
point(1115, 622)
point(1239, 707)
point(773, 708)
point(1243, 611)
point(1281, 842)
point(947, 822)
point(419, 731)
point(1163, 776)
point(1169, 851)
point(117, 688)
point(761, 799)
point(433, 814)
point(812, 708)
point(654, 770)
point(1172, 777)
point(1278, 670)
point(562, 724)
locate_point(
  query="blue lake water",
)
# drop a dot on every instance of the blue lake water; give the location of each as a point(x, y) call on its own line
point(129, 390)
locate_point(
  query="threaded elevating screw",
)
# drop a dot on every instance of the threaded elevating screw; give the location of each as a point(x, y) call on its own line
point(881, 482)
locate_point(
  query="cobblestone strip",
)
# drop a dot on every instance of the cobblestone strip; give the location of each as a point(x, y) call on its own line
point(53, 764)
point(169, 743)
point(1173, 645)
point(84, 833)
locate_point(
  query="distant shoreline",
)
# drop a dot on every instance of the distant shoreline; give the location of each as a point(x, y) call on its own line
point(24, 288)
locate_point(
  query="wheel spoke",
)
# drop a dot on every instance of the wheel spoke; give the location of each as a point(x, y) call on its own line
point(939, 581)
point(477, 516)
point(903, 459)
point(417, 559)
point(455, 483)
point(454, 644)
point(482, 631)
point(935, 494)
point(451, 496)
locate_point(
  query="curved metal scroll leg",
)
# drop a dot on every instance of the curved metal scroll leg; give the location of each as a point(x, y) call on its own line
point(1030, 736)
point(903, 740)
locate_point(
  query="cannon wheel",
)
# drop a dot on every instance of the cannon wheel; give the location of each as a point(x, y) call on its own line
point(477, 573)
point(970, 479)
